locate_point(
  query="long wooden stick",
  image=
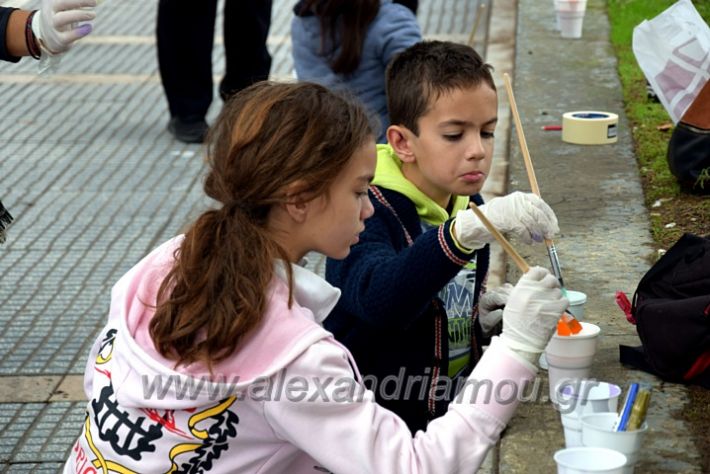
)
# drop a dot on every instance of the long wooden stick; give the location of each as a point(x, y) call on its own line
point(481, 10)
point(521, 136)
point(509, 249)
point(551, 250)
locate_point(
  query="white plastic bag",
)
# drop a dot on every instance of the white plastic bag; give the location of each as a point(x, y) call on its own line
point(673, 51)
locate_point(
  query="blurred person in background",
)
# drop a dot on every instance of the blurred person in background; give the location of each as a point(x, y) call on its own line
point(347, 45)
point(185, 35)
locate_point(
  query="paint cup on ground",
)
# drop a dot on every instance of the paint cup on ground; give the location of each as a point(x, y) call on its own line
point(598, 431)
point(559, 376)
point(571, 24)
point(579, 6)
point(577, 300)
point(570, 14)
point(589, 460)
point(570, 357)
point(582, 397)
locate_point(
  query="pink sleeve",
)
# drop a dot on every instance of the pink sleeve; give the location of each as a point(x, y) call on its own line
point(496, 384)
point(336, 421)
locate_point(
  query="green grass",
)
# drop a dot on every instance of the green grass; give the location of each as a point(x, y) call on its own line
point(651, 145)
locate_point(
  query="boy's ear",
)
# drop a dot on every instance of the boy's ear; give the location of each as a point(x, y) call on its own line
point(400, 139)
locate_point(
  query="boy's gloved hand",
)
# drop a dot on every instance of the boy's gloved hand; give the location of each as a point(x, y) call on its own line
point(531, 314)
point(490, 308)
point(523, 214)
point(59, 23)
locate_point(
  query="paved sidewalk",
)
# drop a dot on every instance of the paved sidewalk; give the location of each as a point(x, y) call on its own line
point(95, 182)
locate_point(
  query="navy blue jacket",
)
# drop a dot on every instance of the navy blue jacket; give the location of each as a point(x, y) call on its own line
point(5, 13)
point(389, 314)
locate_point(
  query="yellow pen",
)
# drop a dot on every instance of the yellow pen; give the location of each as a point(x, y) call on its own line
point(638, 411)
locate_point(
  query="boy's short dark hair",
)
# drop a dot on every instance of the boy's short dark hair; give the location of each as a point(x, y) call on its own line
point(426, 70)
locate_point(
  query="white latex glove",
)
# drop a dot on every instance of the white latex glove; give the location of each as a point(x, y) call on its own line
point(524, 214)
point(531, 314)
point(490, 308)
point(59, 23)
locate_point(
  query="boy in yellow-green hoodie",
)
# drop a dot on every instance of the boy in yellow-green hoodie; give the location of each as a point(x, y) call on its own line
point(411, 306)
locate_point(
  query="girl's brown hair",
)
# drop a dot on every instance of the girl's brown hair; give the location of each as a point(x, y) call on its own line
point(267, 137)
point(343, 24)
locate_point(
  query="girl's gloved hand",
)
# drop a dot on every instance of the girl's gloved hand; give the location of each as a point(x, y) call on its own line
point(531, 314)
point(524, 214)
point(59, 23)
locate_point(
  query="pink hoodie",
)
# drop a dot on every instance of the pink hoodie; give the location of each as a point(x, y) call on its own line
point(289, 400)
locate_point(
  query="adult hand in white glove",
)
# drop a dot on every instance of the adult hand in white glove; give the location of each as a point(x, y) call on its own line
point(59, 23)
point(531, 314)
point(524, 214)
point(490, 308)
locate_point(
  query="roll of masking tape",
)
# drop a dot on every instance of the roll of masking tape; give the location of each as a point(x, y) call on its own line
point(586, 127)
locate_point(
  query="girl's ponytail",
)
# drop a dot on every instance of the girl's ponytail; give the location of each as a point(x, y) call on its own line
point(224, 266)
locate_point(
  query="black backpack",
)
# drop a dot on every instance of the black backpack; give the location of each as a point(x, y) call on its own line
point(672, 311)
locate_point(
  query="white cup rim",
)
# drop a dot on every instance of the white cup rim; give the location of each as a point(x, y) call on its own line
point(576, 297)
point(618, 459)
point(591, 394)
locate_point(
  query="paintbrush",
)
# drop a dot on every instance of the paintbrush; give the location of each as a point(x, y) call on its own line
point(567, 324)
point(551, 250)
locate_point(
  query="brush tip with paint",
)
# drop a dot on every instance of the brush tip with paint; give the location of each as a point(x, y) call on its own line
point(568, 325)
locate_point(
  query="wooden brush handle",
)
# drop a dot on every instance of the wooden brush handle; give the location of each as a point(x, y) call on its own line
point(521, 136)
point(509, 249)
point(551, 251)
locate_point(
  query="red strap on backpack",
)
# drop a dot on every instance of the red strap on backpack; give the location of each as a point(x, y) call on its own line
point(701, 364)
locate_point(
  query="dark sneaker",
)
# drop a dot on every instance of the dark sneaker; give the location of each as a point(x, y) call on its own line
point(188, 131)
